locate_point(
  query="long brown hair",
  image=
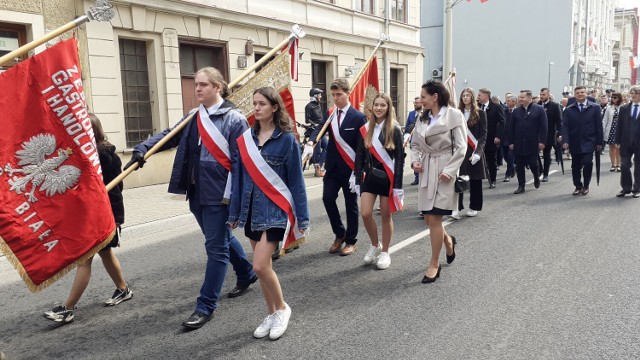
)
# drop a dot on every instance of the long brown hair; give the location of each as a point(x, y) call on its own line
point(98, 133)
point(474, 113)
point(281, 118)
point(389, 124)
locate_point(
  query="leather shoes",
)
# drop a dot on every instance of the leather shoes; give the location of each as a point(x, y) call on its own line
point(349, 249)
point(506, 179)
point(536, 182)
point(196, 320)
point(636, 194)
point(520, 190)
point(577, 191)
point(452, 257)
point(545, 178)
point(428, 280)
point(239, 290)
point(585, 191)
point(622, 193)
point(492, 185)
point(337, 245)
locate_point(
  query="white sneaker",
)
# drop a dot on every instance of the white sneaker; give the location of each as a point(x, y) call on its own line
point(372, 254)
point(456, 215)
point(280, 322)
point(472, 213)
point(264, 328)
point(383, 261)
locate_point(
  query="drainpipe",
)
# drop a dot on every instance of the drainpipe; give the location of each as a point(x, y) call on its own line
point(448, 39)
point(385, 52)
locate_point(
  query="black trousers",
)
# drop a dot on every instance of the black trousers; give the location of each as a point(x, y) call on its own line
point(509, 158)
point(546, 156)
point(582, 165)
point(490, 151)
point(475, 196)
point(521, 162)
point(626, 181)
point(332, 186)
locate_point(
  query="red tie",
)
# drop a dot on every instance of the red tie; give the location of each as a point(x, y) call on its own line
point(339, 115)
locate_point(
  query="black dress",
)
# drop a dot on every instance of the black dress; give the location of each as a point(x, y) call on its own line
point(112, 167)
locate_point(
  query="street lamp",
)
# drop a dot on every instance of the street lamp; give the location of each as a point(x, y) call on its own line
point(549, 77)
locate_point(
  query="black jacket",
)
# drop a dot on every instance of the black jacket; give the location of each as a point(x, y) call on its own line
point(495, 122)
point(527, 129)
point(397, 154)
point(313, 114)
point(479, 131)
point(582, 130)
point(627, 135)
point(112, 167)
point(554, 121)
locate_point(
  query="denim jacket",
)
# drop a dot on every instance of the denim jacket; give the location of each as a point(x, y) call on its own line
point(282, 152)
point(195, 171)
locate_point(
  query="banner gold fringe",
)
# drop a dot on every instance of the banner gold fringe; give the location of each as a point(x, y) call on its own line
point(25, 277)
point(292, 245)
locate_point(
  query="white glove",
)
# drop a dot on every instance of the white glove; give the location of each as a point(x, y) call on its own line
point(474, 159)
point(308, 151)
point(398, 198)
point(352, 183)
point(406, 138)
point(357, 190)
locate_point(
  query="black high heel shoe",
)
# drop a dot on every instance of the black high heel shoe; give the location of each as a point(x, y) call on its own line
point(452, 257)
point(427, 280)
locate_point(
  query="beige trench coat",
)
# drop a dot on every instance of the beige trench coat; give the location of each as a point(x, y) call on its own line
point(431, 146)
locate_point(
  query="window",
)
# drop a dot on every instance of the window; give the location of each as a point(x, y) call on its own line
point(257, 57)
point(319, 80)
point(399, 10)
point(394, 89)
point(135, 91)
point(195, 55)
point(11, 37)
point(366, 6)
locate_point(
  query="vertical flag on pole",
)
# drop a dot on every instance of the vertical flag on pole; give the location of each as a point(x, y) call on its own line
point(54, 211)
point(295, 58)
point(366, 87)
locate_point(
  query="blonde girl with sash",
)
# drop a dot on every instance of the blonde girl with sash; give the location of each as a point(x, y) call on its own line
point(378, 169)
point(271, 199)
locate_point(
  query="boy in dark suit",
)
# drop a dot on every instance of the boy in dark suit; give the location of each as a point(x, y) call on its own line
point(345, 123)
point(628, 140)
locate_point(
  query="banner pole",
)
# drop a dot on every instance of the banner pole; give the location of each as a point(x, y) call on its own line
point(102, 12)
point(357, 78)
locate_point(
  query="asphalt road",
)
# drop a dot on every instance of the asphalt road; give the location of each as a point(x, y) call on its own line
point(542, 275)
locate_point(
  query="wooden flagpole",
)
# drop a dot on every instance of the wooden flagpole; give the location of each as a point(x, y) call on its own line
point(296, 32)
point(383, 38)
point(102, 12)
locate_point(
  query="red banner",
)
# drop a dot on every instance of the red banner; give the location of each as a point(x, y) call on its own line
point(55, 211)
point(368, 84)
point(287, 98)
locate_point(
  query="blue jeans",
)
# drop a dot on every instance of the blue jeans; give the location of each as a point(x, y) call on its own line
point(222, 247)
point(320, 151)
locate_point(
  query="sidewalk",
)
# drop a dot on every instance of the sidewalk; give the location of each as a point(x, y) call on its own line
point(149, 204)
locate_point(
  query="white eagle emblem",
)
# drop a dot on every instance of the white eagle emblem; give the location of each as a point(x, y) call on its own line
point(39, 171)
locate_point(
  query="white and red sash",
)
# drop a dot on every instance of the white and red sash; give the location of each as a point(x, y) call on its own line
point(217, 146)
point(378, 150)
point(346, 152)
point(472, 141)
point(271, 185)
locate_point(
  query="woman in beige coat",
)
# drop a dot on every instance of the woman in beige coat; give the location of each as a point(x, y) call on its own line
point(438, 147)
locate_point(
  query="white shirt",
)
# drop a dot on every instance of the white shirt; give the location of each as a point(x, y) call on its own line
point(467, 113)
point(434, 119)
point(215, 107)
point(485, 105)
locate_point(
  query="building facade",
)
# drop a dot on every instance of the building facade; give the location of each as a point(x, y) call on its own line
point(625, 49)
point(509, 45)
point(138, 68)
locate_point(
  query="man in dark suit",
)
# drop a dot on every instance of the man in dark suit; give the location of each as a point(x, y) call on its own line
point(628, 140)
point(410, 124)
point(527, 135)
point(582, 135)
point(554, 127)
point(339, 167)
point(510, 101)
point(495, 129)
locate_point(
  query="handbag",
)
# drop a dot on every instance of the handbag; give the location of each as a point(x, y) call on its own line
point(374, 174)
point(461, 183)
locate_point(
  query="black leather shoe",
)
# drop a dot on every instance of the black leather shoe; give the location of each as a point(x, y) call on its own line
point(536, 182)
point(506, 179)
point(520, 190)
point(196, 320)
point(492, 185)
point(636, 194)
point(239, 290)
point(622, 193)
point(452, 257)
point(585, 191)
point(545, 178)
point(577, 191)
point(428, 280)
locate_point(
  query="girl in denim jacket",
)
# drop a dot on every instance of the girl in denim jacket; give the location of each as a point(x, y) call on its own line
point(264, 222)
